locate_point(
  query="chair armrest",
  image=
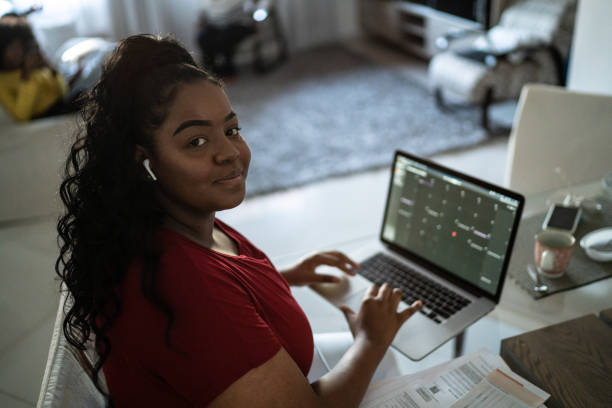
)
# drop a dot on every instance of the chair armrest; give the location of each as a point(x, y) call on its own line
point(454, 37)
point(518, 54)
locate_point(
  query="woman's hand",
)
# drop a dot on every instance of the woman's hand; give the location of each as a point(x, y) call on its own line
point(378, 320)
point(304, 272)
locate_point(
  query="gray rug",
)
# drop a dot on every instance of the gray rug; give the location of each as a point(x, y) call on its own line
point(330, 112)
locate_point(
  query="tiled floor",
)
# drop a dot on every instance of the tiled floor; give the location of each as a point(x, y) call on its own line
point(283, 224)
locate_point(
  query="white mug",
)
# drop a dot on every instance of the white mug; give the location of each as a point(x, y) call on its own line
point(553, 251)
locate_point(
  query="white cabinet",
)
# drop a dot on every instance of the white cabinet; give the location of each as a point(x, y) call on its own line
point(412, 27)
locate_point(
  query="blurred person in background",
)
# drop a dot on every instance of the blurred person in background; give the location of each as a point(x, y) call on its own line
point(30, 87)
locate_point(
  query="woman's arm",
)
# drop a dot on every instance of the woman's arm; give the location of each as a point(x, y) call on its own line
point(279, 382)
point(20, 100)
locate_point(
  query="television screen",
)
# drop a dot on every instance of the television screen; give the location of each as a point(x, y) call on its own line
point(475, 10)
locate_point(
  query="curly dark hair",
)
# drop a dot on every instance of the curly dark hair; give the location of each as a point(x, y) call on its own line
point(111, 210)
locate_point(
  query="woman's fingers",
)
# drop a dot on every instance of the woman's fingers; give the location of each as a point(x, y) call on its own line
point(352, 265)
point(371, 292)
point(337, 259)
point(378, 316)
point(396, 298)
point(385, 291)
point(412, 309)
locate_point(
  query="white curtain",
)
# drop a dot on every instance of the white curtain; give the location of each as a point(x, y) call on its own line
point(306, 23)
point(61, 20)
point(87, 17)
point(177, 17)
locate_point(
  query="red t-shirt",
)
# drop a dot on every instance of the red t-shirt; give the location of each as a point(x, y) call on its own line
point(232, 314)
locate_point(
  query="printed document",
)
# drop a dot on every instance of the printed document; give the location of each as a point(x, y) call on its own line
point(466, 381)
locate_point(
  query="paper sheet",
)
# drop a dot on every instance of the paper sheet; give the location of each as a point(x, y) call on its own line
point(439, 386)
point(502, 389)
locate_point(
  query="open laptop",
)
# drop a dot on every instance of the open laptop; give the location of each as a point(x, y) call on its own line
point(446, 238)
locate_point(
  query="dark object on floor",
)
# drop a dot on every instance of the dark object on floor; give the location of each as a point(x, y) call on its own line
point(572, 361)
point(218, 44)
point(254, 23)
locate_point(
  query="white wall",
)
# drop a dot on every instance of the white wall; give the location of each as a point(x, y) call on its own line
point(590, 68)
point(347, 18)
point(178, 18)
point(309, 23)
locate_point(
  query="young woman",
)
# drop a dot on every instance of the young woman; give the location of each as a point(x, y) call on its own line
point(186, 311)
point(29, 86)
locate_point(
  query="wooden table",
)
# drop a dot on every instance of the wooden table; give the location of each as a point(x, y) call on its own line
point(570, 360)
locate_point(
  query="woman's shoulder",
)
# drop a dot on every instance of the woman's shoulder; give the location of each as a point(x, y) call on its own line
point(231, 232)
point(180, 252)
point(178, 260)
point(245, 246)
point(184, 262)
point(184, 273)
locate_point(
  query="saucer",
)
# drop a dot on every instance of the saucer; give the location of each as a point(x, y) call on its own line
point(598, 244)
point(550, 275)
point(606, 183)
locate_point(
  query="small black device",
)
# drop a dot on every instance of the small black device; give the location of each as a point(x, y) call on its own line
point(562, 217)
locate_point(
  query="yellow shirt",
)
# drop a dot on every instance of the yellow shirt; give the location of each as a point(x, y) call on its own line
point(25, 99)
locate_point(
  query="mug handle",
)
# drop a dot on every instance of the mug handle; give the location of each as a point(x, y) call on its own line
point(547, 262)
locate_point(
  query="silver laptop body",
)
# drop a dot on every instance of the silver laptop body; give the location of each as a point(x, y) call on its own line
point(453, 229)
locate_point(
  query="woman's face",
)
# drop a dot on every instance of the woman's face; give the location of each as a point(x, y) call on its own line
point(200, 158)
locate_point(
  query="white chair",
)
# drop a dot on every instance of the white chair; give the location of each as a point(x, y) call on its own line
point(556, 128)
point(528, 45)
point(66, 382)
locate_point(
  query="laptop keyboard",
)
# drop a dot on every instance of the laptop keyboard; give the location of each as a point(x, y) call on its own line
point(439, 302)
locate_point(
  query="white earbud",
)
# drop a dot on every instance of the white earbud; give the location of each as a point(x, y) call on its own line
point(147, 167)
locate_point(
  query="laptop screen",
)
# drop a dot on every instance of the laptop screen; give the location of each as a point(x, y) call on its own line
point(455, 222)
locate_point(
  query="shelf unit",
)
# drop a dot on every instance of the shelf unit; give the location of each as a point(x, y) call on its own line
point(411, 26)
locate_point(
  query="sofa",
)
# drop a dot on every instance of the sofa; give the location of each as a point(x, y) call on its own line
point(32, 154)
point(31, 160)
